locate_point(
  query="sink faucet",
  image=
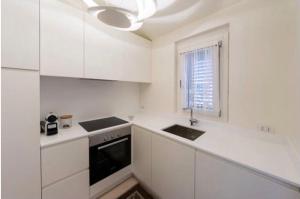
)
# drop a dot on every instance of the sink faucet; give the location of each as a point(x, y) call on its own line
point(192, 120)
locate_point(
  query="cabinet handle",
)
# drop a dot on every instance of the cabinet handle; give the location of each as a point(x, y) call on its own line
point(116, 142)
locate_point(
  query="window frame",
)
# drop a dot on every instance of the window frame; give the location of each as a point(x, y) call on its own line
point(215, 45)
point(199, 41)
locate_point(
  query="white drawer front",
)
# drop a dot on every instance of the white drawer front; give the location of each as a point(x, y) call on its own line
point(74, 187)
point(63, 160)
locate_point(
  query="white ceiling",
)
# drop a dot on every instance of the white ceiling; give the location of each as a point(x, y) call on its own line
point(173, 14)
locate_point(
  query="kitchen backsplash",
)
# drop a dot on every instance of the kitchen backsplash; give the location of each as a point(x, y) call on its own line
point(86, 99)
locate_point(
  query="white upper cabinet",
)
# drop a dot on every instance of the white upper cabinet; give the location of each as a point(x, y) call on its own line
point(20, 34)
point(59, 44)
point(217, 178)
point(103, 53)
point(115, 55)
point(61, 39)
point(137, 60)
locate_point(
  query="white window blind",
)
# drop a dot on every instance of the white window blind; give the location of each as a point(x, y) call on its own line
point(200, 79)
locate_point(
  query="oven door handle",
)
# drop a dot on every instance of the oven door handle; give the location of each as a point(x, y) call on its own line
point(110, 144)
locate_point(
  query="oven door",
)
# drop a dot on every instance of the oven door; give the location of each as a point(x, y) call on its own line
point(109, 157)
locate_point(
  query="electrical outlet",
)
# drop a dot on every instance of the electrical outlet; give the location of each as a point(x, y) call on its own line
point(265, 128)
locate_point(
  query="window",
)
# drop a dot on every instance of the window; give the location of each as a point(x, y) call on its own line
point(203, 75)
point(200, 81)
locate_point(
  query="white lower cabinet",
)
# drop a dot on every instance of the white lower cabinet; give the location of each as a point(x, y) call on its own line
point(141, 161)
point(74, 187)
point(172, 169)
point(219, 179)
point(65, 173)
point(63, 160)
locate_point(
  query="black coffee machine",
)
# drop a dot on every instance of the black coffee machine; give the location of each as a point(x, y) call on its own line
point(50, 125)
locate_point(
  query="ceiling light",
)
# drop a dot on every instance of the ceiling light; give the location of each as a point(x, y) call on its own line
point(119, 17)
point(146, 8)
point(90, 3)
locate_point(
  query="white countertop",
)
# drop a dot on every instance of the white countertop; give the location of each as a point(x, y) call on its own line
point(268, 154)
point(75, 132)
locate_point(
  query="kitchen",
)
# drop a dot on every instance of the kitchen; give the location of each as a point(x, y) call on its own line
point(160, 99)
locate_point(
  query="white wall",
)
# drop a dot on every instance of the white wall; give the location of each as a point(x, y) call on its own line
point(160, 95)
point(86, 99)
point(294, 86)
point(262, 67)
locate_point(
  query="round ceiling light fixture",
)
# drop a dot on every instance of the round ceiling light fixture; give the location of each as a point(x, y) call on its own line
point(118, 15)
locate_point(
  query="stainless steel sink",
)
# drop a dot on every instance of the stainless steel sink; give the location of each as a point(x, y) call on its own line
point(185, 132)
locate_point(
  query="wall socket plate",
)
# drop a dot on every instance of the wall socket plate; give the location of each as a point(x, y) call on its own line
point(265, 128)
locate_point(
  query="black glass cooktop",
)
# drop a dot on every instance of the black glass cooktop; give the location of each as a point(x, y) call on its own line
point(103, 123)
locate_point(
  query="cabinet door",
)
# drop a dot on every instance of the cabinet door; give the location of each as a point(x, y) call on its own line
point(115, 55)
point(216, 178)
point(21, 174)
point(74, 187)
point(104, 51)
point(141, 161)
point(20, 34)
point(172, 169)
point(61, 39)
point(56, 166)
point(137, 63)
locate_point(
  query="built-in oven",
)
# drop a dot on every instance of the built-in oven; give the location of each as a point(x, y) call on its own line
point(109, 153)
